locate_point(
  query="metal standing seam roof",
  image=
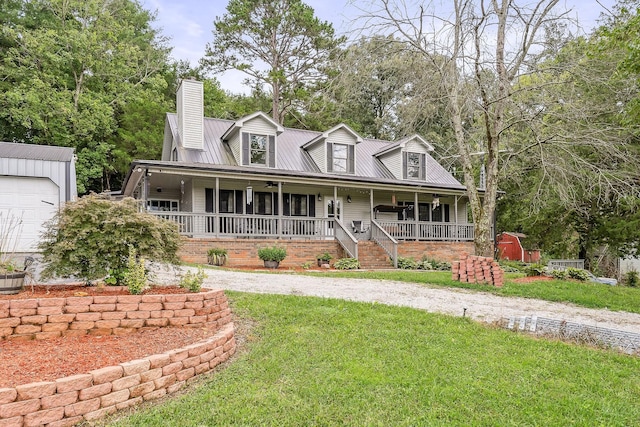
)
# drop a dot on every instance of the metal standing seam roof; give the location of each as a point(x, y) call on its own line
point(291, 157)
point(15, 150)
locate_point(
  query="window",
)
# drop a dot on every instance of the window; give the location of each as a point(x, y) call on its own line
point(263, 203)
point(226, 201)
point(340, 155)
point(340, 158)
point(258, 149)
point(440, 214)
point(162, 205)
point(414, 165)
point(299, 205)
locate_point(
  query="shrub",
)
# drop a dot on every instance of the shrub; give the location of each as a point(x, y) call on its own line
point(217, 256)
point(407, 263)
point(193, 281)
point(135, 276)
point(272, 253)
point(91, 237)
point(306, 265)
point(631, 278)
point(560, 274)
point(347, 264)
point(534, 270)
point(217, 252)
point(577, 274)
point(326, 256)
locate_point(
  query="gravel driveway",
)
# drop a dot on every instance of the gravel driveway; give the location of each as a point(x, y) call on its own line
point(480, 306)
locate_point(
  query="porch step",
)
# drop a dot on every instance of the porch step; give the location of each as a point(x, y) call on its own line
point(372, 256)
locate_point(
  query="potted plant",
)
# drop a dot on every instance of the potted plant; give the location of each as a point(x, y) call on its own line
point(11, 276)
point(324, 258)
point(217, 256)
point(272, 255)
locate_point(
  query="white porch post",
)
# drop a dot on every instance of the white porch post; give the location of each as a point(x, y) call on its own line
point(371, 205)
point(280, 208)
point(216, 204)
point(416, 232)
point(455, 210)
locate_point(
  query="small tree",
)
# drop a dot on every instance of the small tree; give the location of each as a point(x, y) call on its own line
point(91, 237)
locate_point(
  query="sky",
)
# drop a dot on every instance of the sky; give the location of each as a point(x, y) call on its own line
point(188, 23)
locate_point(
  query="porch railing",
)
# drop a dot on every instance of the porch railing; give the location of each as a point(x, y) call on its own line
point(197, 224)
point(346, 239)
point(385, 241)
point(405, 230)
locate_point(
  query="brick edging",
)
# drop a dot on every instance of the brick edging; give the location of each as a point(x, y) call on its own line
point(101, 392)
point(43, 318)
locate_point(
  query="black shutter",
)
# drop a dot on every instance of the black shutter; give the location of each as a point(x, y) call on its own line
point(351, 159)
point(272, 151)
point(423, 167)
point(274, 200)
point(286, 204)
point(245, 149)
point(250, 206)
point(329, 157)
point(446, 213)
point(312, 205)
point(404, 165)
point(239, 201)
point(208, 199)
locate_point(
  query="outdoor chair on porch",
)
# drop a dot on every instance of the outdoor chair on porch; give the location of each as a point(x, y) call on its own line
point(357, 227)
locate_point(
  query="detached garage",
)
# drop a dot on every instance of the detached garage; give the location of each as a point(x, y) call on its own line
point(35, 180)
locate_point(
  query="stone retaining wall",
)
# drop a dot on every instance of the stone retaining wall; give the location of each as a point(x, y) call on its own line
point(44, 318)
point(86, 397)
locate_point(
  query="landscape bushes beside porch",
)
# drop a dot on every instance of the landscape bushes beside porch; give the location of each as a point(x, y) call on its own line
point(244, 252)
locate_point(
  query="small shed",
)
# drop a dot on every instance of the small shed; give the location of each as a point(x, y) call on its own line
point(510, 248)
point(35, 181)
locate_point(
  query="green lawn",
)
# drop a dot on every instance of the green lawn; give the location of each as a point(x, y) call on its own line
point(320, 362)
point(586, 294)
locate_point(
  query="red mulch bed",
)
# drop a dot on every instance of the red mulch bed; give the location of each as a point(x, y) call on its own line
point(23, 362)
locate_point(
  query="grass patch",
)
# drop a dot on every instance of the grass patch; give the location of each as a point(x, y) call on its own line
point(320, 362)
point(586, 294)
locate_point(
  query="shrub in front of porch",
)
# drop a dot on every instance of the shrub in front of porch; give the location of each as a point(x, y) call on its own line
point(347, 264)
point(90, 238)
point(272, 254)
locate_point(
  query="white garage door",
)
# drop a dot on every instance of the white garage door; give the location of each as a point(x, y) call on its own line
point(32, 200)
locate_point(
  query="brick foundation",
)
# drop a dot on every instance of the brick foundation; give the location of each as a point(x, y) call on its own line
point(90, 396)
point(244, 252)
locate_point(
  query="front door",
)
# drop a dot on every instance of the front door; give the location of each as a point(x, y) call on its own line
point(333, 210)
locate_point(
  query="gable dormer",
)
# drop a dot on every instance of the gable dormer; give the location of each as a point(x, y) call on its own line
point(334, 151)
point(407, 158)
point(253, 140)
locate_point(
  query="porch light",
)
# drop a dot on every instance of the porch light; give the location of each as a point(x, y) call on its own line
point(159, 189)
point(348, 199)
point(319, 197)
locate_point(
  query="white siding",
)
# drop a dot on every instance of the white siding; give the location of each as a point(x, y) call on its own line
point(259, 126)
point(414, 146)
point(341, 136)
point(236, 147)
point(318, 153)
point(191, 114)
point(55, 171)
point(393, 162)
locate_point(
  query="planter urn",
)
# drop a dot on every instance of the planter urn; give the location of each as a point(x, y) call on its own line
point(271, 264)
point(11, 283)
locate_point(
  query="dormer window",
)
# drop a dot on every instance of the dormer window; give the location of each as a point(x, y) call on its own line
point(258, 149)
point(340, 158)
point(414, 165)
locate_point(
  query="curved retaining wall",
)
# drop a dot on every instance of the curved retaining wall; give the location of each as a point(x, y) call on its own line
point(44, 318)
point(85, 397)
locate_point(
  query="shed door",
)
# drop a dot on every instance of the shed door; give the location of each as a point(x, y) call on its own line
point(34, 201)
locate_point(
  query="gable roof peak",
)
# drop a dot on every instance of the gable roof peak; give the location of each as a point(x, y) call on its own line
point(241, 121)
point(324, 135)
point(402, 143)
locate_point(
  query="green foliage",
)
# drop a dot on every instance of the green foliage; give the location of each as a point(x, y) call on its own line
point(193, 281)
point(326, 256)
point(560, 274)
point(272, 253)
point(306, 265)
point(135, 276)
point(534, 270)
point(90, 238)
point(577, 274)
point(284, 35)
point(632, 278)
point(217, 252)
point(377, 365)
point(424, 264)
point(407, 263)
point(347, 264)
point(509, 266)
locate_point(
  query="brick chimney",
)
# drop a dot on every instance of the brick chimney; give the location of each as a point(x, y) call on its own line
point(191, 114)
